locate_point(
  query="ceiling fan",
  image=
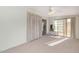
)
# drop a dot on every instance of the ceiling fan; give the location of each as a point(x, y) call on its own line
point(51, 11)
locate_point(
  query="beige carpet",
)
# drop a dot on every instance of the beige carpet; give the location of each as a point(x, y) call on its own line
point(42, 46)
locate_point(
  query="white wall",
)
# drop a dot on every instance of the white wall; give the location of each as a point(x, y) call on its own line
point(12, 27)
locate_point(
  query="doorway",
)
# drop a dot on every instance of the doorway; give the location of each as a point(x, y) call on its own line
point(44, 27)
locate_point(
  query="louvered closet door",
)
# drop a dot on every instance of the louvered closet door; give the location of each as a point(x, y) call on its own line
point(36, 27)
point(40, 26)
point(28, 26)
point(33, 27)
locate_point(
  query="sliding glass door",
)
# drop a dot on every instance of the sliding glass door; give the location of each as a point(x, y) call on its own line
point(63, 27)
point(59, 27)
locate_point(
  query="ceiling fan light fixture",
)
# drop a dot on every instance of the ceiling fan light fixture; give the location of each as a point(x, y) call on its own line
point(51, 11)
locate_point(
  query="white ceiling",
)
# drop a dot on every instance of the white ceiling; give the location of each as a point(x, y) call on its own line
point(58, 10)
point(43, 10)
point(66, 10)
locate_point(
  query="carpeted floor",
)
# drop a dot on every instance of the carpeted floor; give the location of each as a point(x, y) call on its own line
point(48, 44)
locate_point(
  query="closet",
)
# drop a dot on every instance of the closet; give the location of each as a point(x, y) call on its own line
point(34, 26)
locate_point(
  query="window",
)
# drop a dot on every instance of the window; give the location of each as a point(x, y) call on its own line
point(63, 27)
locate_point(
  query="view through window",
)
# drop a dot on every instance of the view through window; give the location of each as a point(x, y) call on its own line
point(63, 27)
